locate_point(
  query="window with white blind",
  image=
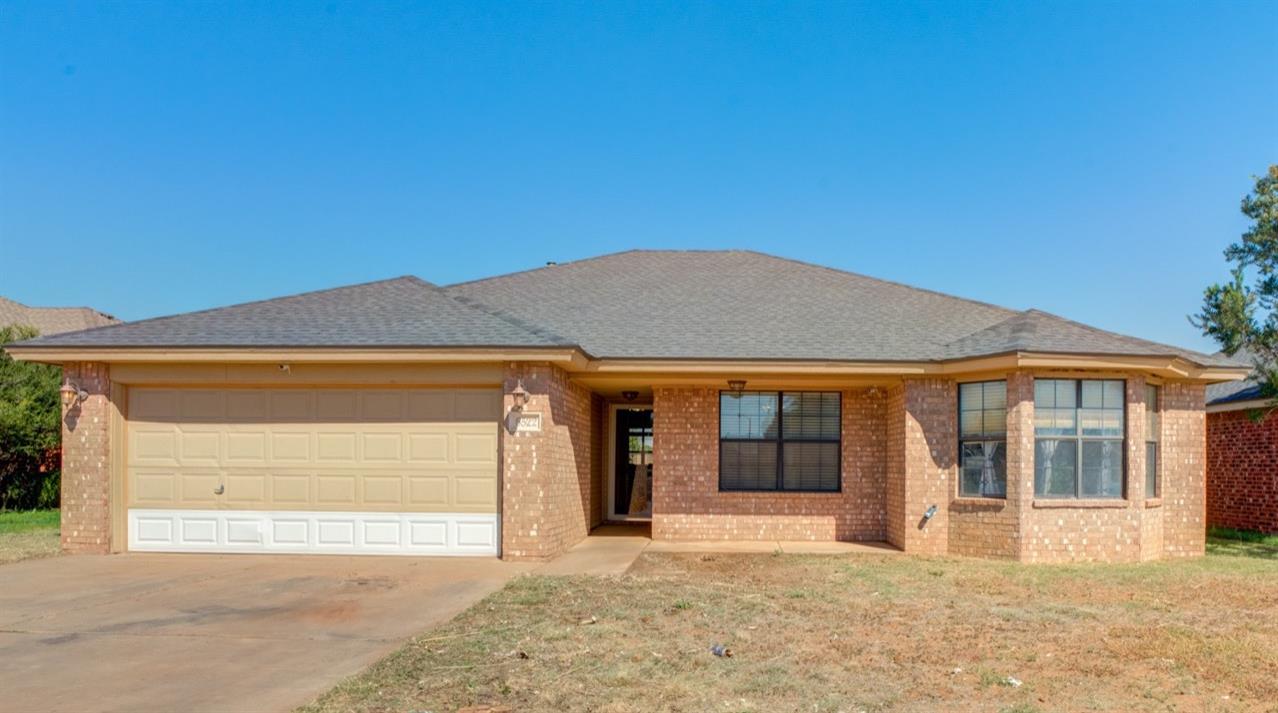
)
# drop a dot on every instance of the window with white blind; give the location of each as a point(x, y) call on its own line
point(1078, 445)
point(770, 440)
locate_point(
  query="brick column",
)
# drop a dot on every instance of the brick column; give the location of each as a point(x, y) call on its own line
point(1184, 448)
point(922, 460)
point(1020, 453)
point(86, 462)
point(550, 478)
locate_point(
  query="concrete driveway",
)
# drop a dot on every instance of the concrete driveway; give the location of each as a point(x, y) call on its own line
point(144, 632)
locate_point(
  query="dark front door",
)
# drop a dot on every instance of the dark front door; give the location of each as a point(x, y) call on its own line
point(632, 466)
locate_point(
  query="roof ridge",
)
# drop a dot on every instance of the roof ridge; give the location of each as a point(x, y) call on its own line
point(295, 295)
point(895, 283)
point(544, 267)
point(532, 329)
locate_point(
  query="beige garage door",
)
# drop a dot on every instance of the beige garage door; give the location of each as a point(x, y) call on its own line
point(376, 471)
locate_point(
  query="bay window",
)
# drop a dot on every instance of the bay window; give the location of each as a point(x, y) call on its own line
point(1078, 447)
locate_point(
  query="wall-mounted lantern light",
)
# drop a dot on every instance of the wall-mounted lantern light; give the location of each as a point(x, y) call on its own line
point(737, 385)
point(519, 397)
point(71, 394)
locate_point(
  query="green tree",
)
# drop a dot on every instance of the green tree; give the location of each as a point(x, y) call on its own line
point(1241, 314)
point(30, 428)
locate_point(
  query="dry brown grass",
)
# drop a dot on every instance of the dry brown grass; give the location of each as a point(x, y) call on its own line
point(824, 633)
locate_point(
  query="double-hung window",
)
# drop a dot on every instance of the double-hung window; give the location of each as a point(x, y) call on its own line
point(983, 439)
point(1152, 436)
point(770, 440)
point(1078, 447)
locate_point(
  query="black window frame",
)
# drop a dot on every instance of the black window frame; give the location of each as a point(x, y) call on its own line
point(780, 442)
point(1078, 439)
point(964, 440)
point(1153, 417)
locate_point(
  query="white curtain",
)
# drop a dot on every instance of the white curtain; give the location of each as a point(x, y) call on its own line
point(989, 471)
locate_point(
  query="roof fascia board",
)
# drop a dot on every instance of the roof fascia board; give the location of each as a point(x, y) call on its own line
point(1247, 405)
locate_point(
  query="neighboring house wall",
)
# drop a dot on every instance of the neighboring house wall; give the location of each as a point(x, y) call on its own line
point(86, 462)
point(1242, 471)
point(550, 479)
point(688, 505)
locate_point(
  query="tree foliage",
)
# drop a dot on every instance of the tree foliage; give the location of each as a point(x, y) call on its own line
point(30, 429)
point(1241, 314)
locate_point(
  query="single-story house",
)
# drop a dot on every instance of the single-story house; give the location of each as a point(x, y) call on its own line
point(720, 395)
point(52, 320)
point(1242, 456)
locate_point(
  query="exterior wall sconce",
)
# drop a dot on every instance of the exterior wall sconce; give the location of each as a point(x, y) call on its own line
point(737, 385)
point(71, 394)
point(630, 395)
point(519, 397)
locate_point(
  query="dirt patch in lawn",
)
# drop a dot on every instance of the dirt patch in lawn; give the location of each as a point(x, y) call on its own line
point(850, 633)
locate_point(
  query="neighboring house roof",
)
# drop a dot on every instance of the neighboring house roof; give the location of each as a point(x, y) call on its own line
point(400, 312)
point(52, 320)
point(1235, 391)
point(643, 304)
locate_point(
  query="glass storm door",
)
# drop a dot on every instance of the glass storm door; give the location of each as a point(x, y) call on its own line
point(632, 464)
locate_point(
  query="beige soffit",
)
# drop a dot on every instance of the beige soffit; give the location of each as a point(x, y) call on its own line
point(1240, 405)
point(576, 360)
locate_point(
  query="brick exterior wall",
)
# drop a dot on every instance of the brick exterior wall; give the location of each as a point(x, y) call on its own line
point(550, 479)
point(1184, 449)
point(909, 433)
point(687, 503)
point(86, 462)
point(923, 465)
point(1242, 471)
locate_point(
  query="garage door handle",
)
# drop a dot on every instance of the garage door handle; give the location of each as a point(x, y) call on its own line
point(219, 489)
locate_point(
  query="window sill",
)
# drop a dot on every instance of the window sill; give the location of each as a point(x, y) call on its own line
point(1080, 504)
point(1153, 503)
point(967, 501)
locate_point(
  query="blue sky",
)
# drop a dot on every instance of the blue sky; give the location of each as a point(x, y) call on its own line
point(1082, 158)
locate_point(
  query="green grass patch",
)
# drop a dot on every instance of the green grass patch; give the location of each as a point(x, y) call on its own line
point(28, 521)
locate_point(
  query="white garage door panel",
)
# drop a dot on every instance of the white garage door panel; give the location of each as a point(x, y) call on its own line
point(440, 534)
point(358, 470)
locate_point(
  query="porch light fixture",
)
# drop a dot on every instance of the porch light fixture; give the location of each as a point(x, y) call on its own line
point(630, 395)
point(71, 394)
point(737, 385)
point(519, 396)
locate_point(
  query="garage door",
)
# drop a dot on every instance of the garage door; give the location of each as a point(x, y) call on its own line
point(343, 471)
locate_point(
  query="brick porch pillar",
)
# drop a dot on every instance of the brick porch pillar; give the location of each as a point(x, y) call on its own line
point(86, 462)
point(922, 463)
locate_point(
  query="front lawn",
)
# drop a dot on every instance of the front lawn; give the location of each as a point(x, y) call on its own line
point(851, 633)
point(27, 534)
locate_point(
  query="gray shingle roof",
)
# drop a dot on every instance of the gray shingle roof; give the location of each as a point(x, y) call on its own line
point(641, 304)
point(1235, 391)
point(401, 312)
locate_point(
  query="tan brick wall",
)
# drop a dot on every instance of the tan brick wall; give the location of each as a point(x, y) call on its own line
point(86, 462)
point(550, 479)
point(1184, 449)
point(687, 503)
point(991, 527)
point(922, 463)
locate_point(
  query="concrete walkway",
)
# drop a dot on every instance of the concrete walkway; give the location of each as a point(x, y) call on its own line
point(151, 632)
point(611, 549)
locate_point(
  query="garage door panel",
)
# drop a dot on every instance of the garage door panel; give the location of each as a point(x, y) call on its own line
point(383, 490)
point(197, 487)
point(383, 447)
point(313, 469)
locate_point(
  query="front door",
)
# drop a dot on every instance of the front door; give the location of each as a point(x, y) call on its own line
point(631, 497)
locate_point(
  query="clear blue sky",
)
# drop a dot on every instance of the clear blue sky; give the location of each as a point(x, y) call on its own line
point(1083, 158)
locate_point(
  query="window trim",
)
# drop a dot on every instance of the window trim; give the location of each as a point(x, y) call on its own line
point(958, 405)
point(1154, 440)
point(780, 442)
point(1079, 439)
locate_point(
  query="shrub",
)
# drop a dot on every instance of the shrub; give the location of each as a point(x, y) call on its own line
point(30, 429)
